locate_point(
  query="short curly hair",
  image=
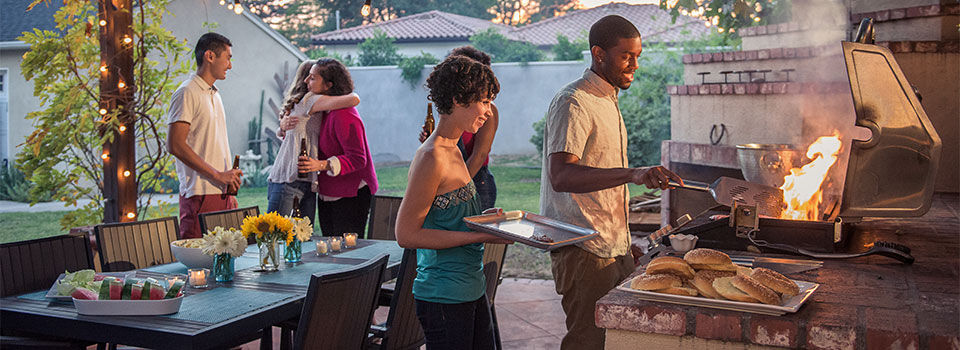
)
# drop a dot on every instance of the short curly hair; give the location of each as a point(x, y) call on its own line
point(462, 80)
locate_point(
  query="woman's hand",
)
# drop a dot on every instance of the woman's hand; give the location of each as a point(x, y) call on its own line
point(289, 122)
point(307, 165)
point(281, 133)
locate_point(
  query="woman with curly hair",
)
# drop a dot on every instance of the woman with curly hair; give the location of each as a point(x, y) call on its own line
point(346, 180)
point(449, 288)
point(299, 120)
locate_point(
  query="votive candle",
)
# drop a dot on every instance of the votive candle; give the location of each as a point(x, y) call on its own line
point(335, 244)
point(322, 248)
point(350, 240)
point(197, 277)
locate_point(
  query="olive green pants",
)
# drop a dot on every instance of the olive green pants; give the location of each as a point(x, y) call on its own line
point(582, 278)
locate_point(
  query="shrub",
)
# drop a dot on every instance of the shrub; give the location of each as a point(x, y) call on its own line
point(411, 68)
point(566, 50)
point(14, 186)
point(505, 50)
point(379, 50)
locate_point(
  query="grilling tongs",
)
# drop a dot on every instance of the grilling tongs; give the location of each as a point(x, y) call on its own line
point(887, 249)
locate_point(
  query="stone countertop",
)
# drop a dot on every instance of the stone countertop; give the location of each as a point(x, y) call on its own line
point(871, 302)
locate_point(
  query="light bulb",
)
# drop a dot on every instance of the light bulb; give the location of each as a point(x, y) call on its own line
point(230, 6)
point(238, 9)
point(103, 111)
point(365, 10)
point(123, 128)
point(222, 2)
point(131, 215)
point(103, 23)
point(104, 156)
point(103, 68)
point(127, 39)
point(121, 85)
point(126, 173)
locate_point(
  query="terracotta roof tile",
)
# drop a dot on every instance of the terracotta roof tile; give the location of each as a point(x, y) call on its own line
point(654, 24)
point(427, 26)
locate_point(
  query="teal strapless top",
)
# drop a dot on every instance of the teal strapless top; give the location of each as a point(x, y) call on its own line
point(452, 275)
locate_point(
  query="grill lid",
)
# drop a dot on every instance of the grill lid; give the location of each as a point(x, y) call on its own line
point(892, 173)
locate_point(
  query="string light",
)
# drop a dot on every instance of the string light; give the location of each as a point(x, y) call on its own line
point(121, 85)
point(126, 173)
point(230, 6)
point(131, 215)
point(365, 10)
point(104, 156)
point(103, 111)
point(123, 128)
point(238, 9)
point(103, 23)
point(222, 2)
point(103, 67)
point(127, 39)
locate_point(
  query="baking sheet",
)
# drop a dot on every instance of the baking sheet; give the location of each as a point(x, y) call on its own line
point(790, 305)
point(529, 225)
point(52, 293)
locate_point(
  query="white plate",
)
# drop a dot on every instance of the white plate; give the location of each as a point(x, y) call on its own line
point(52, 293)
point(790, 305)
point(128, 307)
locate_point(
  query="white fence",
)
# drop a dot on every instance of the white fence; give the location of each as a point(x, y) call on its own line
point(393, 110)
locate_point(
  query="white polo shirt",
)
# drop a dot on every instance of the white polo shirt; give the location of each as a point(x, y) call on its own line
point(584, 120)
point(199, 104)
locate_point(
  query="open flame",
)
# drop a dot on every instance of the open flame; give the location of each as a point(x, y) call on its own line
point(801, 188)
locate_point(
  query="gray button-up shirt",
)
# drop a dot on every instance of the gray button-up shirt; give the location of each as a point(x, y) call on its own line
point(584, 120)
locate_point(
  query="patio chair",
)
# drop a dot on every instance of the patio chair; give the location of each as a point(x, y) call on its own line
point(136, 245)
point(338, 307)
point(231, 218)
point(34, 265)
point(493, 255)
point(402, 329)
point(383, 217)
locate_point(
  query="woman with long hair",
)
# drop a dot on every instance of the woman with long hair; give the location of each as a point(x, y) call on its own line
point(450, 285)
point(346, 179)
point(299, 120)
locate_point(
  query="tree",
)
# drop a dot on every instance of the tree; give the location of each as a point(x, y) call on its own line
point(505, 50)
point(378, 50)
point(63, 154)
point(411, 68)
point(566, 50)
point(520, 12)
point(730, 15)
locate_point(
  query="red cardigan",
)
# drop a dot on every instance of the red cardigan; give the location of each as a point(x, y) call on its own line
point(342, 135)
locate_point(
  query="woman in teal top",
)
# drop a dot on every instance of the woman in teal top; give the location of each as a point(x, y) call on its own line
point(449, 288)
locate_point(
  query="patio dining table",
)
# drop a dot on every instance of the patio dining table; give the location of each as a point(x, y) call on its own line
point(221, 315)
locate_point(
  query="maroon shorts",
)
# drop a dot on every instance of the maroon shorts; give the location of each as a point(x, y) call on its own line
point(190, 209)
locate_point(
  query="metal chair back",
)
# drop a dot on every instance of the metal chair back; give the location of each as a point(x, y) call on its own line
point(383, 217)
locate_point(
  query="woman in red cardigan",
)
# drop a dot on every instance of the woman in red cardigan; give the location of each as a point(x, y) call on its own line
point(346, 180)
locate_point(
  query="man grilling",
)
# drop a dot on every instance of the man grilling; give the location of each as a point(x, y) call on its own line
point(584, 177)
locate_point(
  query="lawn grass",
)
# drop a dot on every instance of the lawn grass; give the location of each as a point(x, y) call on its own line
point(518, 188)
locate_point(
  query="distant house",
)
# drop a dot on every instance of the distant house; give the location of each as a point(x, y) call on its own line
point(252, 71)
point(434, 32)
point(437, 32)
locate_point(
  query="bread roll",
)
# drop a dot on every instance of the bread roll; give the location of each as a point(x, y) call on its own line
point(776, 281)
point(654, 282)
point(716, 267)
point(703, 282)
point(705, 256)
point(671, 265)
point(743, 270)
point(724, 287)
point(690, 292)
point(756, 290)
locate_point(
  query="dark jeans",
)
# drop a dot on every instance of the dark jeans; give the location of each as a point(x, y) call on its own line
point(457, 326)
point(486, 188)
point(280, 198)
point(345, 214)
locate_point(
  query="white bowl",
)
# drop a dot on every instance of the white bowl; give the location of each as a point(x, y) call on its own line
point(191, 257)
point(682, 242)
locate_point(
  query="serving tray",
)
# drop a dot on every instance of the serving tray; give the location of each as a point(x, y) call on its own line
point(790, 305)
point(128, 307)
point(530, 225)
point(53, 293)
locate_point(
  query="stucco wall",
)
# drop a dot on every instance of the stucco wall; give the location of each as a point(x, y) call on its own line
point(21, 99)
point(393, 111)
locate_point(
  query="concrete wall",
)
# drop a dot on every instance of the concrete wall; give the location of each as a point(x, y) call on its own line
point(393, 110)
point(437, 49)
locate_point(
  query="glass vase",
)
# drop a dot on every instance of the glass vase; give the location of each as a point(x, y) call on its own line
point(223, 267)
point(294, 251)
point(270, 254)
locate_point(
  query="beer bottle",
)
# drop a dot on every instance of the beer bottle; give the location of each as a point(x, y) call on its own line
point(295, 213)
point(232, 191)
point(303, 153)
point(428, 123)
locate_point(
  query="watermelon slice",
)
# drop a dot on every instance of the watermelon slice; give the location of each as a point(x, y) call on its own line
point(105, 288)
point(83, 293)
point(115, 287)
point(145, 290)
point(135, 291)
point(128, 287)
point(174, 290)
point(156, 292)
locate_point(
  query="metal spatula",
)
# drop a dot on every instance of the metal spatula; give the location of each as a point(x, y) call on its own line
point(727, 190)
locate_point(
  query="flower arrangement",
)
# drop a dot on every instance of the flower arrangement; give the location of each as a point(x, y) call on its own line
point(301, 232)
point(270, 230)
point(224, 241)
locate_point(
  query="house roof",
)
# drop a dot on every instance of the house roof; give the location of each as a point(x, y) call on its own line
point(422, 27)
point(654, 24)
point(15, 19)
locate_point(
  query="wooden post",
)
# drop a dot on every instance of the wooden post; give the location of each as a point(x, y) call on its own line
point(116, 93)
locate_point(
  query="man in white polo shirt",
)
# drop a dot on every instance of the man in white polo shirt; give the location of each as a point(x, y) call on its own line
point(197, 137)
point(584, 178)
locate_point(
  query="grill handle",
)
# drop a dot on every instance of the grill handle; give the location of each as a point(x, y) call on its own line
point(865, 33)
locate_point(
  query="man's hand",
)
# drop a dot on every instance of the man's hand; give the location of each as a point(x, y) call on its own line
point(289, 122)
point(654, 177)
point(423, 133)
point(307, 165)
point(232, 178)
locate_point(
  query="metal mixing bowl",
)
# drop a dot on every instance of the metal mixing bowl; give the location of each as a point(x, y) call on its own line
point(767, 163)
